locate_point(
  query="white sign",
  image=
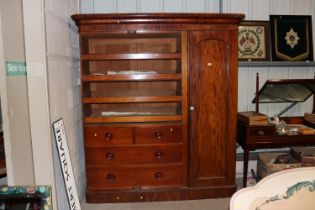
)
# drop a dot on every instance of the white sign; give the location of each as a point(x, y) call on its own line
point(64, 156)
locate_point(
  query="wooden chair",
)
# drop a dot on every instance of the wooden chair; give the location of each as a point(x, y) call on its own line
point(290, 189)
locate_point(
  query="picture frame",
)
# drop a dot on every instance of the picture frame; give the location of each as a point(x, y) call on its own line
point(253, 41)
point(291, 37)
point(26, 197)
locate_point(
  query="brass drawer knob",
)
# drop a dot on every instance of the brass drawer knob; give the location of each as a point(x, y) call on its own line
point(158, 175)
point(109, 155)
point(111, 177)
point(261, 132)
point(108, 136)
point(158, 154)
point(158, 135)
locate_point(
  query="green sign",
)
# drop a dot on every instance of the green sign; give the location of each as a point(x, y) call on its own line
point(15, 68)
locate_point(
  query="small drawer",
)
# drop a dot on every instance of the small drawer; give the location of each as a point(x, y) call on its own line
point(124, 155)
point(261, 131)
point(158, 134)
point(160, 176)
point(134, 177)
point(103, 135)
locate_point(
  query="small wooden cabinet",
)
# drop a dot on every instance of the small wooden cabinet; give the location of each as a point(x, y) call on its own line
point(159, 99)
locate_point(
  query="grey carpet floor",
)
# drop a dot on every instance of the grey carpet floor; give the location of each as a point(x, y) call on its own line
point(206, 204)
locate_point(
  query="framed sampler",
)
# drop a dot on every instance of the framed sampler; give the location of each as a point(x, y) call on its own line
point(291, 37)
point(253, 41)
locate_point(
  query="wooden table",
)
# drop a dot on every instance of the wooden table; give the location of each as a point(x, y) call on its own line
point(252, 137)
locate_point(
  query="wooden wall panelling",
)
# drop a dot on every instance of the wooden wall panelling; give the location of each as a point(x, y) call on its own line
point(241, 6)
point(101, 6)
point(260, 10)
point(213, 6)
point(86, 6)
point(282, 7)
point(150, 6)
point(196, 6)
point(173, 6)
point(247, 89)
point(109, 6)
point(299, 7)
point(242, 87)
point(300, 72)
point(127, 6)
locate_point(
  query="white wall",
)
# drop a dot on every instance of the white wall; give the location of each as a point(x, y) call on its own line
point(253, 10)
point(64, 89)
point(51, 45)
point(121, 6)
point(260, 10)
point(35, 51)
point(14, 99)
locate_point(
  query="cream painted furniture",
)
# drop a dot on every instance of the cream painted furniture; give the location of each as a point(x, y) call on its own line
point(286, 190)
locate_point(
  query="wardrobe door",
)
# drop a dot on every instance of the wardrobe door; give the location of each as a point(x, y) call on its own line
point(212, 102)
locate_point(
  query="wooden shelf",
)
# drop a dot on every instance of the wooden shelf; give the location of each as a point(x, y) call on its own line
point(276, 64)
point(139, 99)
point(141, 110)
point(137, 77)
point(132, 119)
point(130, 56)
point(129, 35)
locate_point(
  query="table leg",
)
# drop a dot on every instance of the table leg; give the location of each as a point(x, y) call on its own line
point(245, 169)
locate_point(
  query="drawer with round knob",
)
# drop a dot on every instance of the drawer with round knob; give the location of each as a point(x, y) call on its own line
point(103, 135)
point(158, 134)
point(261, 131)
point(111, 156)
point(99, 178)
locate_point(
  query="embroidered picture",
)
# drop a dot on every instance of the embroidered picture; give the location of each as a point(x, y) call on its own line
point(253, 41)
point(291, 37)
